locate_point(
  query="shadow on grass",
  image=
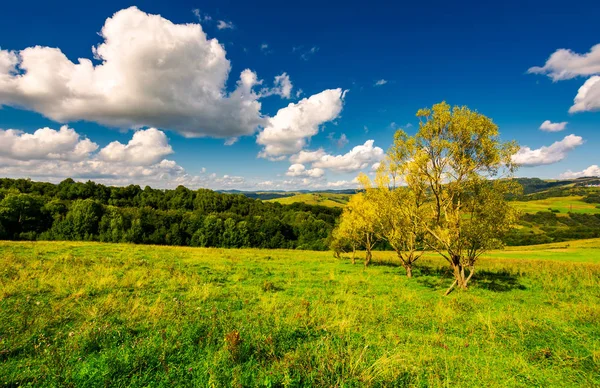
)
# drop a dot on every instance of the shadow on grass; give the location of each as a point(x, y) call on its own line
point(384, 263)
point(441, 277)
point(502, 281)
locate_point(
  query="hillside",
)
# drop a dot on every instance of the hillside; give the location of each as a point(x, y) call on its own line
point(560, 205)
point(131, 315)
point(319, 198)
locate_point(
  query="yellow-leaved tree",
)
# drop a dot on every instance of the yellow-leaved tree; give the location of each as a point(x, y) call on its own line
point(401, 210)
point(357, 227)
point(465, 168)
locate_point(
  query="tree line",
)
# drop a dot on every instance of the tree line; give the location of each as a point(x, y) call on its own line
point(95, 212)
point(444, 189)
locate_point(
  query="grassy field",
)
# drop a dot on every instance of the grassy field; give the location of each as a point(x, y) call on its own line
point(564, 205)
point(91, 314)
point(323, 199)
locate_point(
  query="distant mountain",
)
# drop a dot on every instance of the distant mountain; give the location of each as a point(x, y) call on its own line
point(276, 194)
point(534, 185)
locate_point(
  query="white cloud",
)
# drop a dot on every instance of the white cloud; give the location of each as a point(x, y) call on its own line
point(343, 183)
point(590, 171)
point(380, 82)
point(282, 86)
point(304, 157)
point(45, 144)
point(152, 73)
point(146, 147)
point(300, 170)
point(547, 154)
point(288, 131)
point(52, 155)
point(356, 159)
point(565, 64)
point(223, 25)
point(549, 126)
point(588, 96)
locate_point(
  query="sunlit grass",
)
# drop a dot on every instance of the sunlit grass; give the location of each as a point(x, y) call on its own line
point(88, 314)
point(323, 199)
point(564, 205)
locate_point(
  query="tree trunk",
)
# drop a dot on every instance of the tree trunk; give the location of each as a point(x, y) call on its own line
point(460, 280)
point(353, 255)
point(406, 263)
point(368, 258)
point(368, 247)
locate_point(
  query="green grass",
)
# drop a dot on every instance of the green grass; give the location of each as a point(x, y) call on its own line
point(323, 199)
point(565, 205)
point(91, 314)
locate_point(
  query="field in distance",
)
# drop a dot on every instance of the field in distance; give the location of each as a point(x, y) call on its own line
point(323, 199)
point(562, 204)
point(89, 314)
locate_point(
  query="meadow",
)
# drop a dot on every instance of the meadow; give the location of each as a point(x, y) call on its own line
point(564, 205)
point(322, 199)
point(93, 314)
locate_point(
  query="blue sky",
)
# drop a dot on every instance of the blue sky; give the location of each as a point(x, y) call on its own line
point(178, 81)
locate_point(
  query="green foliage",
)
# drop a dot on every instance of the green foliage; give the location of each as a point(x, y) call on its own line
point(91, 314)
point(89, 211)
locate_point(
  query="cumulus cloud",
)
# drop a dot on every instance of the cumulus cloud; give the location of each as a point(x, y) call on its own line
point(288, 131)
point(152, 73)
point(549, 126)
point(304, 157)
point(380, 82)
point(565, 64)
point(592, 171)
point(300, 170)
point(548, 154)
point(146, 147)
point(45, 143)
point(588, 96)
point(54, 155)
point(356, 159)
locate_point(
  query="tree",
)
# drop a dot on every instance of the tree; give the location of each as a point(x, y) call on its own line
point(456, 153)
point(359, 226)
point(400, 212)
point(346, 236)
point(23, 215)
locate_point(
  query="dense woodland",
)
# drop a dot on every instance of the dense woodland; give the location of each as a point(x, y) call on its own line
point(94, 212)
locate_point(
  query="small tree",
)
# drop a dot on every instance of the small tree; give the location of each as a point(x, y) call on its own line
point(343, 240)
point(399, 215)
point(358, 226)
point(456, 153)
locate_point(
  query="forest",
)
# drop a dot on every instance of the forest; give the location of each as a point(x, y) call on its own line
point(205, 218)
